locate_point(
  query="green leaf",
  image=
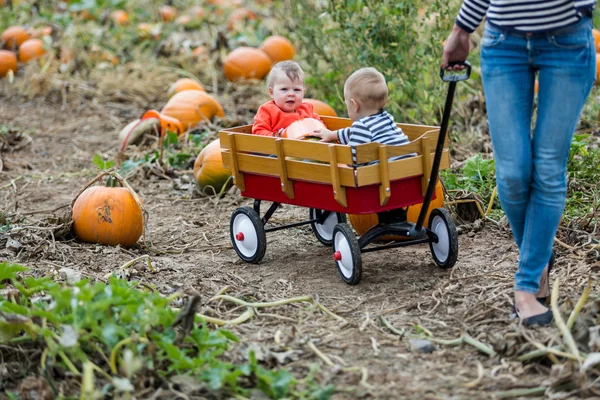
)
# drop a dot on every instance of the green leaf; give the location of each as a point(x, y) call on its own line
point(101, 164)
point(9, 270)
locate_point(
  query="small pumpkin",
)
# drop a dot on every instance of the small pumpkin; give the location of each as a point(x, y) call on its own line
point(209, 172)
point(107, 215)
point(8, 62)
point(596, 34)
point(168, 13)
point(302, 128)
point(238, 17)
point(321, 108)
point(198, 12)
point(41, 32)
point(536, 86)
point(191, 107)
point(278, 48)
point(119, 17)
point(183, 20)
point(246, 63)
point(31, 49)
point(14, 36)
point(200, 52)
point(184, 84)
point(363, 222)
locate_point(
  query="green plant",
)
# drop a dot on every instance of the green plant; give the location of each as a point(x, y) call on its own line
point(111, 336)
point(401, 39)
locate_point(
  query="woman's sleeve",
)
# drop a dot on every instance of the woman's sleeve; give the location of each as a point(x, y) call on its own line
point(262, 123)
point(471, 14)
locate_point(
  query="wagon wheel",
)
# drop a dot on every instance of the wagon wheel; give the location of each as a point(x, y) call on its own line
point(248, 235)
point(346, 253)
point(445, 249)
point(324, 231)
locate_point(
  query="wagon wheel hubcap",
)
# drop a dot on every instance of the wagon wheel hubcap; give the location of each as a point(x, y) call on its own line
point(345, 262)
point(246, 239)
point(442, 247)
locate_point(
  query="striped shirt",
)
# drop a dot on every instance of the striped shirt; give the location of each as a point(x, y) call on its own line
point(378, 128)
point(523, 15)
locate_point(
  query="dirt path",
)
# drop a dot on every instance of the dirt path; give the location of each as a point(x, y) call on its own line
point(190, 245)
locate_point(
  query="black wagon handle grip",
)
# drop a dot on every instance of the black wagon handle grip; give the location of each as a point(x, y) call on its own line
point(451, 75)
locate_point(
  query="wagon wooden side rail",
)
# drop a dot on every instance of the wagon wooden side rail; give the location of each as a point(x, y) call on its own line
point(321, 175)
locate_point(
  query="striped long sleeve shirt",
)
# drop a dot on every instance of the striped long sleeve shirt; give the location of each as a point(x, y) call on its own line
point(523, 15)
point(378, 128)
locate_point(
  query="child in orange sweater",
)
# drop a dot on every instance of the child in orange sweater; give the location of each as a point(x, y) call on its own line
point(286, 88)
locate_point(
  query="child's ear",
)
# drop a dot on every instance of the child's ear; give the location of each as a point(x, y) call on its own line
point(355, 106)
point(271, 92)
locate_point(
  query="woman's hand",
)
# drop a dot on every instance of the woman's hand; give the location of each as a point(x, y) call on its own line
point(325, 134)
point(456, 49)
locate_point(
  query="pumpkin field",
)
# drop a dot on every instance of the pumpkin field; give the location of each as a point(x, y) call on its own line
point(118, 277)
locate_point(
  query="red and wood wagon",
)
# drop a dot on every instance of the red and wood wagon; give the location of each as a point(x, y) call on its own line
point(323, 178)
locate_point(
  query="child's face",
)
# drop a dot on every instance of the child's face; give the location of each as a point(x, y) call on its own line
point(287, 94)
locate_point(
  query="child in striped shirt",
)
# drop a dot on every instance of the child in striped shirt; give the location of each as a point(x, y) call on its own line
point(365, 95)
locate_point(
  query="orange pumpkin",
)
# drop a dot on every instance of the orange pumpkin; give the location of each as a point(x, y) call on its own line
point(209, 170)
point(191, 107)
point(246, 63)
point(167, 13)
point(302, 128)
point(119, 17)
point(238, 17)
point(107, 215)
point(31, 49)
point(41, 32)
point(536, 86)
point(166, 122)
point(278, 48)
point(596, 34)
point(200, 52)
point(597, 68)
point(8, 62)
point(183, 20)
point(14, 36)
point(184, 84)
point(320, 108)
point(198, 12)
point(363, 222)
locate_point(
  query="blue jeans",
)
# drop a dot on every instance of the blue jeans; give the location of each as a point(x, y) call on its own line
point(531, 166)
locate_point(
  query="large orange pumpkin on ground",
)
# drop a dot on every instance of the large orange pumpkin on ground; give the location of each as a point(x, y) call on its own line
point(363, 222)
point(107, 215)
point(246, 63)
point(31, 49)
point(278, 48)
point(209, 171)
point(191, 107)
point(14, 36)
point(302, 128)
point(184, 84)
point(321, 108)
point(8, 61)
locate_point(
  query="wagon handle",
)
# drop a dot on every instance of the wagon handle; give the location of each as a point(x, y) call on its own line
point(452, 77)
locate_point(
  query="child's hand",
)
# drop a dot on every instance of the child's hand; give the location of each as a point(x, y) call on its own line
point(279, 132)
point(325, 134)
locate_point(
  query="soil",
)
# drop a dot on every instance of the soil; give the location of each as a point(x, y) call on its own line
point(189, 245)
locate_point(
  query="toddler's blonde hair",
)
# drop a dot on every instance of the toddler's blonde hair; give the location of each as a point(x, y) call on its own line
point(368, 86)
point(290, 68)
